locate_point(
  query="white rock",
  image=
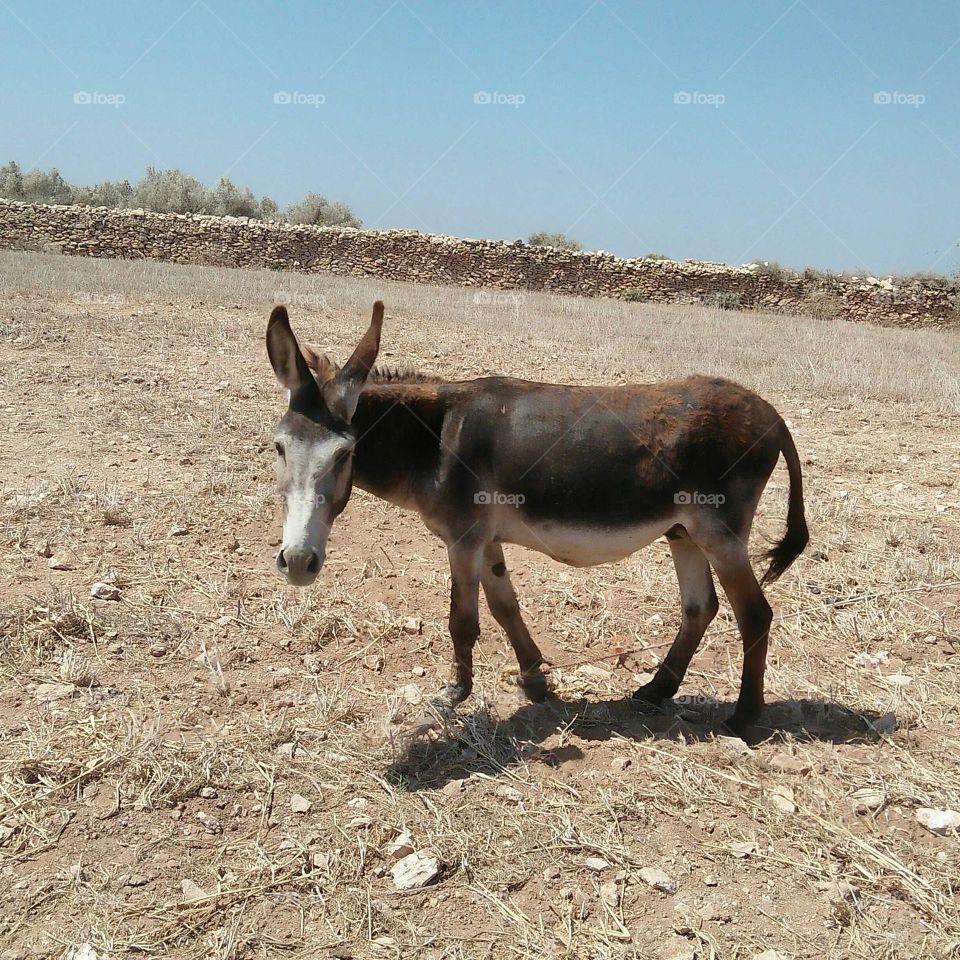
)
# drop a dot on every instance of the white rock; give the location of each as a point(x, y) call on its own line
point(782, 799)
point(596, 864)
point(939, 822)
point(868, 798)
point(414, 871)
point(413, 625)
point(411, 693)
point(60, 562)
point(104, 591)
point(192, 891)
point(610, 893)
point(300, 804)
point(48, 692)
point(658, 880)
point(742, 848)
point(769, 955)
point(82, 952)
point(509, 793)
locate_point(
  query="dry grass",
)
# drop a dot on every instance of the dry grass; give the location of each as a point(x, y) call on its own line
point(138, 407)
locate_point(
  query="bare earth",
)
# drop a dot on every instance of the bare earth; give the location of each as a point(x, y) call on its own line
point(219, 769)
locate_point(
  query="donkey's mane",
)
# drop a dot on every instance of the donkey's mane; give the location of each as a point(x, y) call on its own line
point(402, 375)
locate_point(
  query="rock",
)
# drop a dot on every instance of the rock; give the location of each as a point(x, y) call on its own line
point(104, 591)
point(401, 846)
point(596, 864)
point(209, 823)
point(208, 793)
point(157, 650)
point(938, 822)
point(411, 693)
point(137, 880)
point(620, 763)
point(781, 798)
point(610, 893)
point(300, 804)
point(838, 891)
point(192, 891)
point(82, 952)
point(742, 848)
point(657, 879)
point(868, 798)
point(413, 625)
point(769, 955)
point(511, 794)
point(710, 881)
point(178, 531)
point(788, 763)
point(454, 788)
point(48, 692)
point(60, 561)
point(552, 873)
point(414, 871)
point(419, 671)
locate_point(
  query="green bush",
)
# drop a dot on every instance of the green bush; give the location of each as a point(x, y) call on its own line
point(635, 295)
point(726, 300)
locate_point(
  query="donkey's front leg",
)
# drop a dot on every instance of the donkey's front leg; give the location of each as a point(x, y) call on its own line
point(465, 564)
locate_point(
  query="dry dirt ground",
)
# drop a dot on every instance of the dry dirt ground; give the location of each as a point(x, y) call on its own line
point(211, 764)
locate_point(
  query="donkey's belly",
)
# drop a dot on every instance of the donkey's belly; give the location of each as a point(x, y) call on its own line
point(579, 545)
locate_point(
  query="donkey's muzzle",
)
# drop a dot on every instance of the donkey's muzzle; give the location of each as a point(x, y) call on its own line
point(299, 566)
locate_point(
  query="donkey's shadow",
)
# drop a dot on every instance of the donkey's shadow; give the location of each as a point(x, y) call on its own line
point(479, 741)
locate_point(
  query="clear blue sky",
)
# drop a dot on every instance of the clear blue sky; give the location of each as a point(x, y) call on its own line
point(782, 154)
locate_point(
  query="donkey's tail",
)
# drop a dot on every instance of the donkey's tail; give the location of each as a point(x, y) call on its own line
point(796, 537)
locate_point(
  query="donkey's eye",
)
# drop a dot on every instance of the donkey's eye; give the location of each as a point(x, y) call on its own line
point(281, 453)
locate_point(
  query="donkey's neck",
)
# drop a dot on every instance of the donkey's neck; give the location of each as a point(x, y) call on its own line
point(398, 429)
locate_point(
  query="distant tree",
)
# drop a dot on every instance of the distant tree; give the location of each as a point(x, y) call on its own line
point(228, 200)
point(559, 240)
point(267, 209)
point(46, 186)
point(109, 193)
point(320, 211)
point(11, 181)
point(170, 191)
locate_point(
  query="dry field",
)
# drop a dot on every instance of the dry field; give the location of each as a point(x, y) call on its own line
point(212, 764)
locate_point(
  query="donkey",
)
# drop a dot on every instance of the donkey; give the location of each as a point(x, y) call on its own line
point(585, 475)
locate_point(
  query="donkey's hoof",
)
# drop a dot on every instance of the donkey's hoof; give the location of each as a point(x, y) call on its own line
point(741, 725)
point(648, 696)
point(535, 686)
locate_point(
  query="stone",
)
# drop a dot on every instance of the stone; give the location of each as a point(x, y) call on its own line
point(414, 871)
point(413, 625)
point(596, 864)
point(104, 591)
point(401, 846)
point(300, 804)
point(769, 955)
point(742, 849)
point(192, 891)
point(789, 763)
point(782, 799)
point(941, 823)
point(60, 561)
point(552, 873)
point(610, 893)
point(49, 692)
point(868, 798)
point(653, 877)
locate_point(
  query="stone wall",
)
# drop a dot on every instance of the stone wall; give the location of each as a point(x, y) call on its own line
point(425, 258)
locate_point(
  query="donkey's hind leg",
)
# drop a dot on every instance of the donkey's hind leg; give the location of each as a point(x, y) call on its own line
point(728, 555)
point(698, 600)
point(502, 600)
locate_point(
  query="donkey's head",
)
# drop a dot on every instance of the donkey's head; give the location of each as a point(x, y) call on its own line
point(315, 440)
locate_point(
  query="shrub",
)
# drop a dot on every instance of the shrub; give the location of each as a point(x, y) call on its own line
point(822, 304)
point(655, 256)
point(635, 295)
point(770, 268)
point(320, 211)
point(726, 300)
point(558, 240)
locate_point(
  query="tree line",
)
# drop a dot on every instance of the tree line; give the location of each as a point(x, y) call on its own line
point(171, 191)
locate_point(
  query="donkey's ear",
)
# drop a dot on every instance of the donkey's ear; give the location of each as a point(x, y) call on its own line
point(342, 393)
point(288, 363)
